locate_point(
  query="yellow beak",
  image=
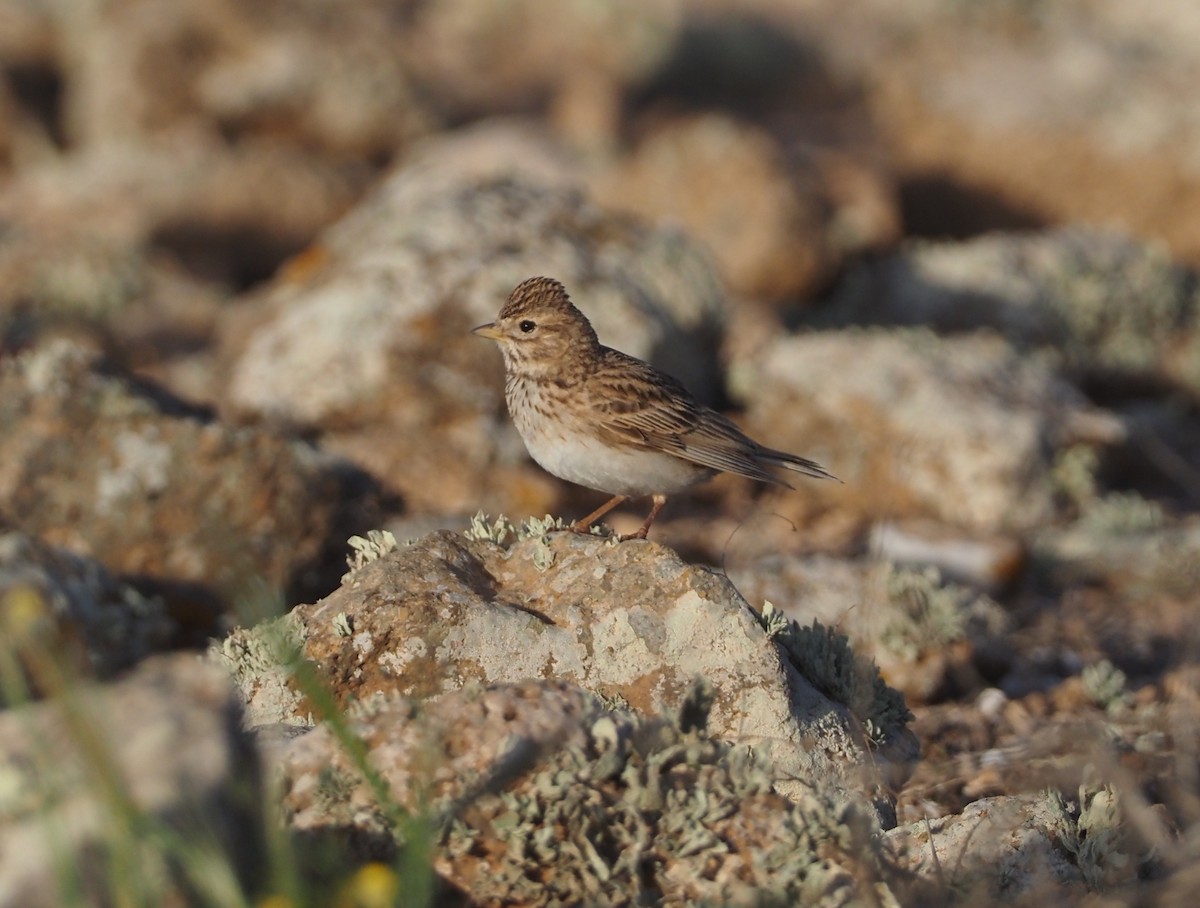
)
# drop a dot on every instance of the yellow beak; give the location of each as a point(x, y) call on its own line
point(489, 331)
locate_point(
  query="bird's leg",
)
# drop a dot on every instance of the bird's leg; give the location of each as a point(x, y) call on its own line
point(584, 525)
point(659, 501)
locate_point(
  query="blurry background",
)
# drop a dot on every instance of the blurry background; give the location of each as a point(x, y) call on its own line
point(947, 249)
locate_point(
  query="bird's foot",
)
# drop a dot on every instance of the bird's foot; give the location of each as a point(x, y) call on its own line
point(659, 501)
point(640, 534)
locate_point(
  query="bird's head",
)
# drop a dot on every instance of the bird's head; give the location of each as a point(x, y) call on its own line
point(539, 329)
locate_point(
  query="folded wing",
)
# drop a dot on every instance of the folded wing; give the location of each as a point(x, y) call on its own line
point(637, 405)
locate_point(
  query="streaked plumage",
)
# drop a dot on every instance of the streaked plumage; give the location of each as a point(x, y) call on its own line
point(597, 417)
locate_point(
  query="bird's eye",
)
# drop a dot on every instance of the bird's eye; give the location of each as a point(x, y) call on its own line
point(527, 326)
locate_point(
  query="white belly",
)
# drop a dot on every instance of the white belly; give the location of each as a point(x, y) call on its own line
point(590, 463)
point(581, 458)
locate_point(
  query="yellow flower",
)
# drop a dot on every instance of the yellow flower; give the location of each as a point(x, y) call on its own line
point(372, 886)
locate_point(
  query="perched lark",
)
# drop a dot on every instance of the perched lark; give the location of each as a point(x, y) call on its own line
point(596, 417)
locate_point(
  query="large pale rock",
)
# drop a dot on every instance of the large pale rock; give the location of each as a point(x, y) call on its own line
point(630, 622)
point(962, 429)
point(98, 464)
point(368, 335)
point(165, 740)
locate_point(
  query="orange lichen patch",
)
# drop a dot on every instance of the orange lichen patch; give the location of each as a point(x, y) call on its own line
point(306, 264)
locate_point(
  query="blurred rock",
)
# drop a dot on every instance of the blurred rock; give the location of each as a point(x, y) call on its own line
point(771, 229)
point(629, 622)
point(920, 630)
point(25, 32)
point(315, 74)
point(139, 245)
point(575, 57)
point(57, 605)
point(989, 563)
point(367, 335)
point(1127, 544)
point(184, 194)
point(104, 467)
point(10, 124)
point(1013, 115)
point(28, 85)
point(165, 740)
point(1068, 291)
point(363, 81)
point(962, 429)
point(548, 797)
point(518, 148)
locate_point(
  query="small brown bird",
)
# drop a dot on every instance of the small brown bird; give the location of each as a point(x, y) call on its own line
point(594, 416)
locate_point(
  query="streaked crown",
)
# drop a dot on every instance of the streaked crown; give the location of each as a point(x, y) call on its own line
point(539, 329)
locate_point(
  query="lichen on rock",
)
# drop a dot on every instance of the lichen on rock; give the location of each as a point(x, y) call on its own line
point(257, 659)
point(563, 801)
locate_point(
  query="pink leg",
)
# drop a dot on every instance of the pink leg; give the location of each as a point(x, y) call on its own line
point(584, 525)
point(659, 501)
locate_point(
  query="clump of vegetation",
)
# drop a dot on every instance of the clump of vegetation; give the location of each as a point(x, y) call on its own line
point(504, 533)
point(927, 612)
point(1094, 832)
point(1073, 475)
point(1088, 292)
point(500, 531)
point(1111, 514)
point(366, 549)
point(1122, 514)
point(825, 657)
point(1106, 686)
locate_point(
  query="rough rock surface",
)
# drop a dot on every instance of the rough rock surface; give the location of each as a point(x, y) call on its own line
point(630, 622)
point(367, 336)
point(165, 741)
point(962, 428)
point(542, 795)
point(1026, 847)
point(96, 463)
point(1017, 840)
